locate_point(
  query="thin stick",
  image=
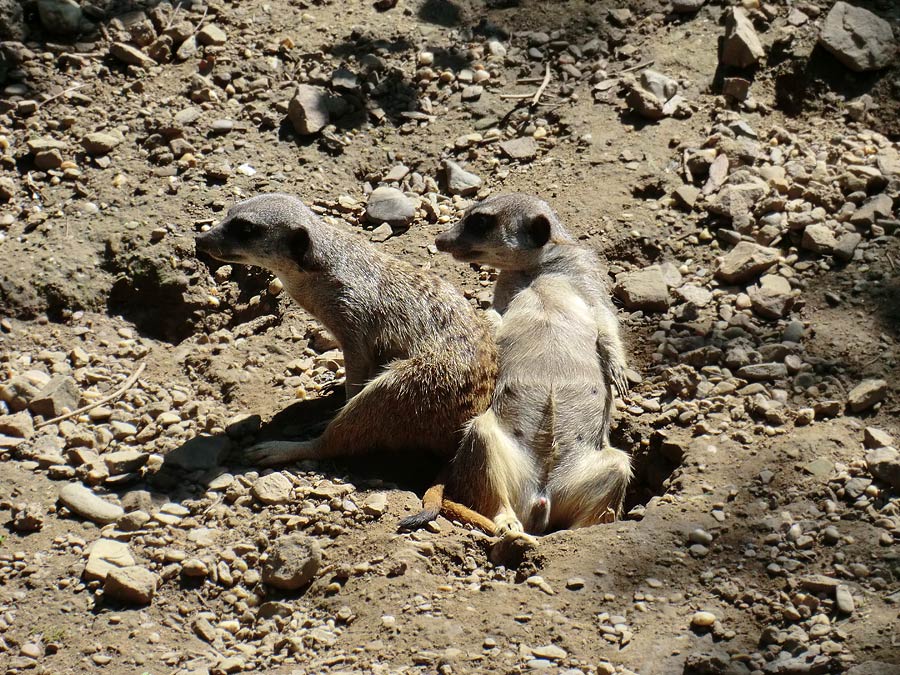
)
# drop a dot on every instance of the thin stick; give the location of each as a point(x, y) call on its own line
point(540, 91)
point(640, 66)
point(61, 94)
point(106, 399)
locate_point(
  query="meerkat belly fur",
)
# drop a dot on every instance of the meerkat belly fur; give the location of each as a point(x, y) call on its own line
point(540, 459)
point(419, 362)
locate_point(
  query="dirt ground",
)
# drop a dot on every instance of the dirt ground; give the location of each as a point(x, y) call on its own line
point(758, 497)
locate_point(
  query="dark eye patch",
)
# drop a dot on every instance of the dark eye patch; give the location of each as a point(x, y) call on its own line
point(479, 223)
point(243, 229)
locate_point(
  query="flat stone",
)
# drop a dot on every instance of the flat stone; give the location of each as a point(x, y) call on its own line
point(699, 296)
point(41, 144)
point(872, 209)
point(858, 38)
point(844, 600)
point(199, 453)
point(745, 262)
point(687, 195)
point(308, 110)
point(375, 504)
point(86, 504)
point(293, 561)
point(818, 238)
point(99, 143)
point(211, 34)
point(874, 668)
point(18, 425)
point(820, 467)
point(873, 437)
point(105, 555)
point(59, 395)
point(274, 488)
point(687, 6)
point(459, 181)
point(389, 205)
point(818, 583)
point(134, 585)
point(550, 652)
point(846, 246)
point(520, 149)
point(125, 461)
point(737, 201)
point(763, 372)
point(866, 394)
point(773, 298)
point(130, 55)
point(741, 47)
point(643, 290)
point(884, 464)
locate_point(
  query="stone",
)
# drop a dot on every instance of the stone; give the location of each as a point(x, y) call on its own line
point(858, 38)
point(59, 395)
point(389, 205)
point(818, 583)
point(28, 517)
point(871, 210)
point(134, 585)
point(18, 425)
point(763, 372)
point(643, 290)
point(844, 599)
point(308, 110)
point(845, 247)
point(884, 464)
point(699, 296)
point(661, 86)
point(293, 561)
point(520, 149)
point(737, 201)
point(687, 6)
point(866, 394)
point(550, 652)
point(130, 55)
point(105, 555)
point(737, 88)
point(199, 453)
point(687, 195)
point(274, 488)
point(99, 143)
point(741, 47)
point(773, 298)
point(459, 181)
point(745, 262)
point(873, 438)
point(818, 238)
point(86, 504)
point(63, 17)
point(644, 103)
point(125, 461)
point(12, 23)
point(211, 34)
point(375, 504)
point(703, 619)
point(188, 48)
point(874, 668)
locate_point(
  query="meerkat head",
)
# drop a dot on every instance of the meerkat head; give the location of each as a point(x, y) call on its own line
point(509, 232)
point(270, 231)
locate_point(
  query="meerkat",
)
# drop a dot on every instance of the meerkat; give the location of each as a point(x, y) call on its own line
point(419, 362)
point(539, 458)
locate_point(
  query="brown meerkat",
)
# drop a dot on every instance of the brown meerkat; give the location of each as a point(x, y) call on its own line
point(419, 362)
point(540, 459)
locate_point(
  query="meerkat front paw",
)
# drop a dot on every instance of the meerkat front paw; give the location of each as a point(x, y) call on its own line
point(275, 453)
point(508, 527)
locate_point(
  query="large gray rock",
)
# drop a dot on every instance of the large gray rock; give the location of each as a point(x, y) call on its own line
point(819, 238)
point(62, 17)
point(459, 181)
point(105, 555)
point(389, 205)
point(308, 110)
point(643, 290)
point(293, 562)
point(745, 262)
point(884, 464)
point(741, 47)
point(520, 149)
point(12, 21)
point(134, 585)
point(859, 39)
point(60, 394)
point(86, 504)
point(866, 394)
point(879, 206)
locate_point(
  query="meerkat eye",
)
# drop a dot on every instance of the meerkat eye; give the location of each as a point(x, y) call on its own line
point(243, 229)
point(479, 223)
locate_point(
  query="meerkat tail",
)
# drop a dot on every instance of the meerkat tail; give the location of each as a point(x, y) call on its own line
point(431, 508)
point(466, 516)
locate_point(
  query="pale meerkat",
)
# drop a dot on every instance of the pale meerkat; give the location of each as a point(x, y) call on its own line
point(540, 459)
point(419, 362)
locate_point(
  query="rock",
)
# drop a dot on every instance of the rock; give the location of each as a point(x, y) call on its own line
point(18, 425)
point(86, 504)
point(389, 205)
point(866, 394)
point(737, 88)
point(27, 517)
point(763, 372)
point(12, 25)
point(187, 49)
point(211, 34)
point(375, 504)
point(125, 461)
point(873, 437)
point(644, 103)
point(846, 246)
point(818, 238)
point(745, 262)
point(274, 488)
point(772, 299)
point(105, 555)
point(643, 290)
point(871, 210)
point(686, 6)
point(661, 86)
point(59, 395)
point(703, 619)
point(858, 38)
point(20, 390)
point(199, 453)
point(130, 55)
point(459, 181)
point(818, 583)
point(737, 201)
point(874, 668)
point(844, 599)
point(550, 652)
point(308, 110)
point(741, 47)
point(520, 149)
point(293, 561)
point(699, 296)
point(99, 143)
point(134, 585)
point(687, 195)
point(63, 17)
point(884, 464)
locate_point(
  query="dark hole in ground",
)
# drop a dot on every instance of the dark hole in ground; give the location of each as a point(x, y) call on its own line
point(653, 464)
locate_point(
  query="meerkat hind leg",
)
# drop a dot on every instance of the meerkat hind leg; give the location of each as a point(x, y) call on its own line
point(276, 453)
point(593, 489)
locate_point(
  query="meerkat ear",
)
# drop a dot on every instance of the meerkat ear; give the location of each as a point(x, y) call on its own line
point(298, 245)
point(539, 230)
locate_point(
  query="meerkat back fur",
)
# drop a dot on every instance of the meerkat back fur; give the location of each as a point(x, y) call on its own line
point(419, 362)
point(540, 457)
